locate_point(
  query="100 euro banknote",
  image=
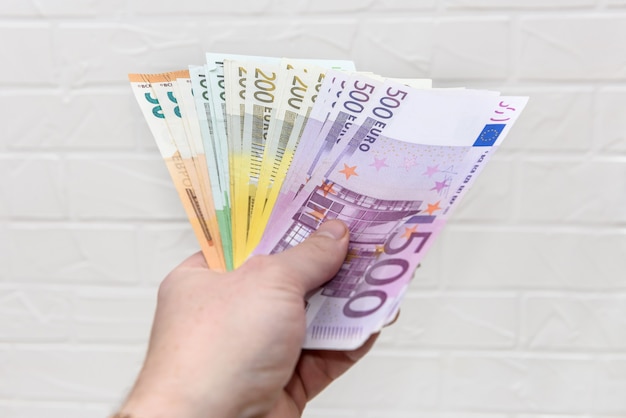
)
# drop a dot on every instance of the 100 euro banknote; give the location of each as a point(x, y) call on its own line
point(394, 179)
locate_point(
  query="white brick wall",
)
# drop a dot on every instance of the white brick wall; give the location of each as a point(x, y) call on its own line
point(518, 312)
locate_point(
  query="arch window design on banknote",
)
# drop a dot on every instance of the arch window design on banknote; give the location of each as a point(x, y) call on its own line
point(371, 221)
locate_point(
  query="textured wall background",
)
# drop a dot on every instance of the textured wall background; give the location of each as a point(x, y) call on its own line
point(518, 312)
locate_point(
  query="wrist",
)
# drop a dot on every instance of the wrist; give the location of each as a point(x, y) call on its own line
point(157, 396)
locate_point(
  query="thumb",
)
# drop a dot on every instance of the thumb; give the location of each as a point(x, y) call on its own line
point(318, 258)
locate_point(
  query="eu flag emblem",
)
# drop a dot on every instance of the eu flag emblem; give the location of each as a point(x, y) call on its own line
point(489, 135)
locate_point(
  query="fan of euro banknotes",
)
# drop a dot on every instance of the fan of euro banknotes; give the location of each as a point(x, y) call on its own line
point(263, 150)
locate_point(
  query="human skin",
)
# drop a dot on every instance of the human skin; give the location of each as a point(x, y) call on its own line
point(230, 344)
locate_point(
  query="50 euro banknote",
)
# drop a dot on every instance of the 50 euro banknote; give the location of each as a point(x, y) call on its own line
point(176, 152)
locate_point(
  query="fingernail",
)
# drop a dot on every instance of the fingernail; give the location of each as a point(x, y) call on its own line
point(332, 229)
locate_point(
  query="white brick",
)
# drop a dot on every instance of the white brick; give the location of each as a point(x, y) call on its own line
point(548, 416)
point(85, 120)
point(394, 413)
point(268, 8)
point(163, 247)
point(64, 254)
point(471, 49)
point(34, 315)
point(68, 374)
point(453, 321)
point(447, 49)
point(328, 413)
point(193, 7)
point(575, 323)
point(610, 133)
point(402, 5)
point(5, 246)
point(427, 414)
point(428, 274)
point(107, 52)
point(17, 8)
point(562, 48)
point(590, 191)
point(4, 204)
point(98, 315)
point(122, 188)
point(493, 197)
point(610, 387)
point(29, 409)
point(113, 315)
point(121, 7)
point(514, 4)
point(400, 47)
point(514, 383)
point(475, 258)
point(354, 6)
point(62, 8)
point(553, 120)
point(29, 57)
point(373, 384)
point(296, 37)
point(33, 187)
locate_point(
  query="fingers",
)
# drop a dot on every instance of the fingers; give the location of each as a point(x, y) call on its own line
point(319, 368)
point(319, 257)
point(357, 354)
point(393, 321)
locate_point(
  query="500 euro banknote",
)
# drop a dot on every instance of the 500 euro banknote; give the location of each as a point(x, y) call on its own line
point(393, 176)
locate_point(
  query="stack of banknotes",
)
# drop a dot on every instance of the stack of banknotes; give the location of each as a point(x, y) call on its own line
point(263, 150)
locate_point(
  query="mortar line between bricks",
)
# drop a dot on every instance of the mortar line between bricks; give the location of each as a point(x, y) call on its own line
point(308, 15)
point(78, 155)
point(571, 227)
point(97, 346)
point(407, 352)
point(133, 290)
point(8, 90)
point(514, 293)
point(123, 223)
point(49, 402)
point(504, 353)
point(131, 223)
point(106, 154)
point(17, 401)
point(122, 86)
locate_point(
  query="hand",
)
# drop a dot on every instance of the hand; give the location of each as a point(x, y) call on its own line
point(229, 344)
